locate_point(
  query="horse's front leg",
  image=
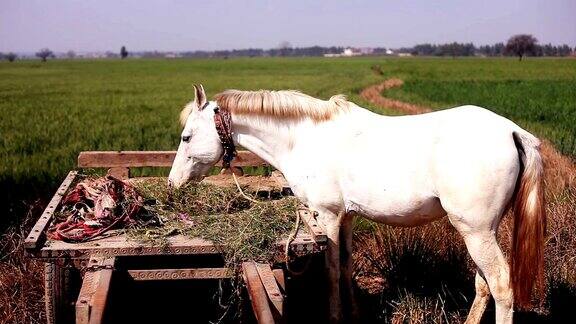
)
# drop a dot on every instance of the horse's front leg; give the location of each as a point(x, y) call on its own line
point(347, 268)
point(333, 269)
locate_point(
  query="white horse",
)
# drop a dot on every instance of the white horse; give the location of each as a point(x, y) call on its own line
point(466, 163)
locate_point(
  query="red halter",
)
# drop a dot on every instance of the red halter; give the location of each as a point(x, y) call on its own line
point(223, 123)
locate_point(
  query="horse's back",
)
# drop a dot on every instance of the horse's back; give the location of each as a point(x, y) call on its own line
point(402, 167)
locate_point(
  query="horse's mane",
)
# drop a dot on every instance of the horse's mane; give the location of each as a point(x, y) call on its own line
point(288, 104)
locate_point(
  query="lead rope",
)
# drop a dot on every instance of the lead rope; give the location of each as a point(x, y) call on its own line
point(242, 192)
point(290, 238)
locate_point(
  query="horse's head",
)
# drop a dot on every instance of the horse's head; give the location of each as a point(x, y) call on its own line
point(200, 146)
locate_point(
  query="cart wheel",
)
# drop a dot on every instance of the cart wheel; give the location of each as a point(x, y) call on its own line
point(60, 293)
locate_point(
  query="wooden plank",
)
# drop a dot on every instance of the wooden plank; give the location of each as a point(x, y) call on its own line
point(83, 301)
point(120, 245)
point(272, 290)
point(38, 232)
point(91, 303)
point(282, 183)
point(280, 278)
point(109, 159)
point(257, 294)
point(317, 230)
point(180, 274)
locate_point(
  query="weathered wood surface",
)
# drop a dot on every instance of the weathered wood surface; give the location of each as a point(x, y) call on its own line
point(281, 182)
point(257, 294)
point(38, 232)
point(180, 274)
point(91, 303)
point(110, 159)
point(280, 278)
point(272, 290)
point(120, 245)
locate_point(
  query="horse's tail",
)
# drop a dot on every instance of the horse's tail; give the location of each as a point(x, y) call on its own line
point(527, 255)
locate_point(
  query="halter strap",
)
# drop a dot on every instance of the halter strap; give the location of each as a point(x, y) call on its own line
point(223, 122)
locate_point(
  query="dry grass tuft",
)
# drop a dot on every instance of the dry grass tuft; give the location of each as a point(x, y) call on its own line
point(21, 280)
point(430, 264)
point(244, 230)
point(413, 275)
point(559, 170)
point(412, 309)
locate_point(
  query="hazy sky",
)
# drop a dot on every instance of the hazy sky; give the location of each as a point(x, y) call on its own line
point(99, 25)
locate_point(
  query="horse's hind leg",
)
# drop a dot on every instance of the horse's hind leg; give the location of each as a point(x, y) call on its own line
point(480, 300)
point(332, 256)
point(486, 253)
point(347, 269)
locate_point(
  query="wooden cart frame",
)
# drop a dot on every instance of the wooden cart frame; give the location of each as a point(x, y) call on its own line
point(94, 262)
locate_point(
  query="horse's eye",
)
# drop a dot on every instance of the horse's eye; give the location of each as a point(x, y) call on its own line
point(186, 139)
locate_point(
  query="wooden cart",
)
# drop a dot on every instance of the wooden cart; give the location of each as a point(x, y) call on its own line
point(78, 276)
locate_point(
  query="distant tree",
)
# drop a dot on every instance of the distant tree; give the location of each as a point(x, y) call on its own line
point(123, 52)
point(110, 54)
point(11, 57)
point(564, 50)
point(521, 45)
point(424, 49)
point(285, 48)
point(499, 49)
point(70, 54)
point(44, 53)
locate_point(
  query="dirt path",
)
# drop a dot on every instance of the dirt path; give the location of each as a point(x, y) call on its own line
point(560, 171)
point(373, 94)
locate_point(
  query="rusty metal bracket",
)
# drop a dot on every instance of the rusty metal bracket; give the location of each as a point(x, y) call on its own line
point(179, 274)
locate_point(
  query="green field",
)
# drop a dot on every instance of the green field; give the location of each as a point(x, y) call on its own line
point(51, 111)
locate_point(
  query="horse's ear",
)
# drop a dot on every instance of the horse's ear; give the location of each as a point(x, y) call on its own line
point(200, 95)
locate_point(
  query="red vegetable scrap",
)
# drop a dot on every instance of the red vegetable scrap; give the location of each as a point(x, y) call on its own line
point(95, 206)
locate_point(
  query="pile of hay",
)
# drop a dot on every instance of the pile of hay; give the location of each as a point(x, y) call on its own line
point(243, 229)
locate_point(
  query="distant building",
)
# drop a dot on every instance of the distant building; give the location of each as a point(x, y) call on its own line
point(172, 55)
point(349, 51)
point(365, 51)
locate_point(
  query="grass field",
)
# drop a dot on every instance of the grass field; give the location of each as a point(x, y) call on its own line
point(51, 111)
